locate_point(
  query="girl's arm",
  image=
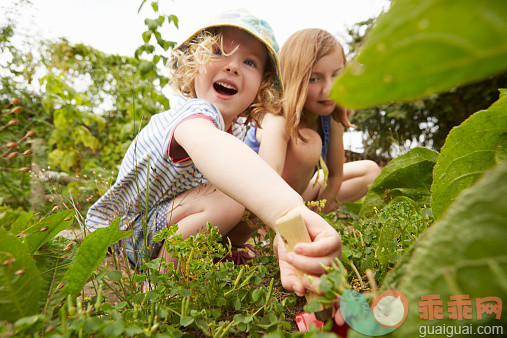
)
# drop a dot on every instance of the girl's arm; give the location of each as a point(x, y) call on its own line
point(235, 169)
point(335, 160)
point(274, 141)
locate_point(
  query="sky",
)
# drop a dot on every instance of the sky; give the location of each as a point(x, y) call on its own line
point(116, 27)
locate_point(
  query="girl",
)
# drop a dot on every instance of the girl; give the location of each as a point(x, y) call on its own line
point(226, 69)
point(311, 126)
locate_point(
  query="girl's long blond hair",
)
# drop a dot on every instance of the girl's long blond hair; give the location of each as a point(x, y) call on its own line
point(186, 61)
point(298, 56)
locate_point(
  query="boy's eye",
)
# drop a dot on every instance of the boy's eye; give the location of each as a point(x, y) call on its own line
point(314, 79)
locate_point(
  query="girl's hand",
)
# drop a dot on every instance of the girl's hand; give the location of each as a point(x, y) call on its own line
point(310, 258)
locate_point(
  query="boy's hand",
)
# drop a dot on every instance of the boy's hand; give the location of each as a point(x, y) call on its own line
point(310, 258)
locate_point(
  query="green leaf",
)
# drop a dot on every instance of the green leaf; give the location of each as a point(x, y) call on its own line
point(21, 223)
point(174, 19)
point(53, 262)
point(421, 47)
point(463, 253)
point(114, 275)
point(41, 232)
point(469, 150)
point(147, 36)
point(20, 280)
point(91, 253)
point(407, 175)
point(186, 321)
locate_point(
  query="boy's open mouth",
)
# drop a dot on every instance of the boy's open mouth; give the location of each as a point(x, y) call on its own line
point(224, 88)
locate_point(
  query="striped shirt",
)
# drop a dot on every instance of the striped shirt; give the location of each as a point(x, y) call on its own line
point(149, 174)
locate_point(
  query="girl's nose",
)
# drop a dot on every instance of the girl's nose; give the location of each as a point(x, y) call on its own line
point(328, 84)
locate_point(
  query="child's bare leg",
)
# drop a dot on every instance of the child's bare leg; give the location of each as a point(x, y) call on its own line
point(357, 176)
point(301, 159)
point(242, 232)
point(194, 208)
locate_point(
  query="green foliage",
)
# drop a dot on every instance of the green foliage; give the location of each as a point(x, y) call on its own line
point(20, 279)
point(96, 126)
point(462, 253)
point(470, 149)
point(33, 264)
point(408, 175)
point(91, 253)
point(379, 241)
point(409, 56)
point(53, 260)
point(39, 233)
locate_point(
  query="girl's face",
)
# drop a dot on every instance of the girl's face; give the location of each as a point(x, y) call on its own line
point(321, 80)
point(231, 81)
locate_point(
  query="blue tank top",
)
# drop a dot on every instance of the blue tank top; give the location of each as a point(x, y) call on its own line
point(325, 122)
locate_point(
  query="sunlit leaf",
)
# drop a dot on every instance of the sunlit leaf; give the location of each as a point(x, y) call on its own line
point(426, 46)
point(469, 150)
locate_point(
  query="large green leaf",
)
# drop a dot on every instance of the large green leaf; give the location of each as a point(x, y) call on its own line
point(47, 228)
point(20, 281)
point(421, 47)
point(53, 262)
point(469, 149)
point(21, 223)
point(91, 253)
point(461, 254)
point(407, 175)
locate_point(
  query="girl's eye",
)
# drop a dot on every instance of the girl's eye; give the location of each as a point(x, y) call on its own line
point(218, 51)
point(250, 63)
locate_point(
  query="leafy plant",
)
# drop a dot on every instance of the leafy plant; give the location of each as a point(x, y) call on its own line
point(24, 276)
point(415, 49)
point(377, 242)
point(407, 175)
point(462, 253)
point(470, 149)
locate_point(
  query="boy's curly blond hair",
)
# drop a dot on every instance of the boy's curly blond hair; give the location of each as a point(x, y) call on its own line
point(186, 61)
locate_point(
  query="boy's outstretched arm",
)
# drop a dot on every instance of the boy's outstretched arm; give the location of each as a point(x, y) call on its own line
point(236, 170)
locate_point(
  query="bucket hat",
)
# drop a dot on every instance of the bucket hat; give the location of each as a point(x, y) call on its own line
point(242, 19)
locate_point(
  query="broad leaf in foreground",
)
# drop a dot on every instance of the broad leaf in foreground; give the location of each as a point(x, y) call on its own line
point(420, 47)
point(20, 281)
point(470, 149)
point(47, 228)
point(53, 262)
point(461, 254)
point(407, 175)
point(91, 253)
